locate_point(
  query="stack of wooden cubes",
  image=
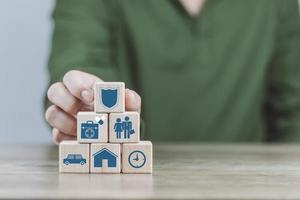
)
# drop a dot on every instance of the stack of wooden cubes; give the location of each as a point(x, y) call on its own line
point(108, 139)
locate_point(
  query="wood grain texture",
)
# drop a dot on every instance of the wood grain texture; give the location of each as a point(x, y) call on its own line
point(143, 164)
point(114, 148)
point(73, 148)
point(99, 121)
point(119, 107)
point(134, 118)
point(180, 171)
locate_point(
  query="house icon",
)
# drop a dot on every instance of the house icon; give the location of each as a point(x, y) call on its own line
point(105, 154)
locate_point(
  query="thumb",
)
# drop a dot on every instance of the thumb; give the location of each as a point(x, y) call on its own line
point(80, 84)
point(132, 101)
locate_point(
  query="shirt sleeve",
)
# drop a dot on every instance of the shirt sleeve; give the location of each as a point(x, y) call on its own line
point(283, 92)
point(82, 40)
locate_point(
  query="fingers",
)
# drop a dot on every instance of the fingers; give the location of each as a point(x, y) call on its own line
point(133, 101)
point(80, 85)
point(59, 136)
point(61, 97)
point(59, 119)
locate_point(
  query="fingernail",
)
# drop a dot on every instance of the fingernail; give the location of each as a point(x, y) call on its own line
point(86, 96)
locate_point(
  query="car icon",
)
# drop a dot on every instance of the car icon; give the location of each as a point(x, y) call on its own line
point(74, 159)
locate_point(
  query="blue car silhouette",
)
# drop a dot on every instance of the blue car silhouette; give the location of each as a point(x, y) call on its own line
point(74, 159)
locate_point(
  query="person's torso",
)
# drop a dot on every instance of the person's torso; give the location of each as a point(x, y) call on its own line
point(200, 79)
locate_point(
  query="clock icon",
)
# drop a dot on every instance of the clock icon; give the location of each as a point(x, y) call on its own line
point(89, 133)
point(137, 159)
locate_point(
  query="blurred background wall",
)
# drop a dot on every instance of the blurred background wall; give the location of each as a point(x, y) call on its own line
point(25, 33)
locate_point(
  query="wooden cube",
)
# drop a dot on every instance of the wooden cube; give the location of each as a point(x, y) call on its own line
point(137, 157)
point(105, 158)
point(109, 97)
point(73, 157)
point(124, 127)
point(92, 127)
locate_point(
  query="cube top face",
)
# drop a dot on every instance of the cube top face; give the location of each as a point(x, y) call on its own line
point(124, 127)
point(73, 157)
point(105, 158)
point(92, 127)
point(109, 97)
point(137, 157)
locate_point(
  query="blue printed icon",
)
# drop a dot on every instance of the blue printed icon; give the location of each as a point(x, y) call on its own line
point(74, 159)
point(137, 159)
point(109, 97)
point(124, 127)
point(90, 130)
point(105, 154)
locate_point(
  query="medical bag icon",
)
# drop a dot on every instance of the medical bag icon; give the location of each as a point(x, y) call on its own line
point(90, 130)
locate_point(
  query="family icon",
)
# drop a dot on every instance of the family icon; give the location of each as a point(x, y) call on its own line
point(124, 127)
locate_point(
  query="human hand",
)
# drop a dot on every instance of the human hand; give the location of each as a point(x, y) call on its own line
point(75, 93)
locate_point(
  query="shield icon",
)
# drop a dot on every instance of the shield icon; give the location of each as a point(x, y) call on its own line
point(109, 97)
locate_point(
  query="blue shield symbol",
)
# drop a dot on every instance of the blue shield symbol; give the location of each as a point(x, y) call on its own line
point(109, 97)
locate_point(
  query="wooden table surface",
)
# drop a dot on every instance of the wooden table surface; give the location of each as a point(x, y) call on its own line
point(181, 171)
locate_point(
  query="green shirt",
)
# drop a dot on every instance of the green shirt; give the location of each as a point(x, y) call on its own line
point(231, 74)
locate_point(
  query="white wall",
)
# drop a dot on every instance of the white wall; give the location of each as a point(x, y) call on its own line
point(25, 32)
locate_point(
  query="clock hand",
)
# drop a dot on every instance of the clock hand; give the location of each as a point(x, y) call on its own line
point(136, 158)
